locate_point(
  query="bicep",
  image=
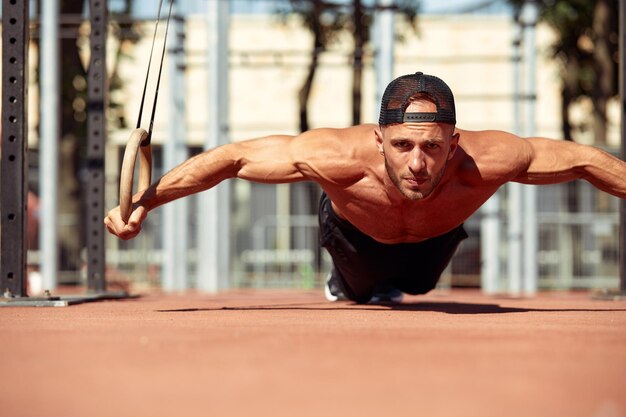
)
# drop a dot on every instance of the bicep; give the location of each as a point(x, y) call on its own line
point(266, 160)
point(560, 161)
point(324, 156)
point(551, 161)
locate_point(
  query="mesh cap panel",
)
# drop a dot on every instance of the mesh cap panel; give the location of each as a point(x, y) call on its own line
point(396, 100)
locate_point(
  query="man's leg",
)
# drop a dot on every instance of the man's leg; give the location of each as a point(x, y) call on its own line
point(352, 273)
point(424, 262)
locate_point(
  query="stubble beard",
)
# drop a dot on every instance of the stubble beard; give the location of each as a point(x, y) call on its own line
point(410, 194)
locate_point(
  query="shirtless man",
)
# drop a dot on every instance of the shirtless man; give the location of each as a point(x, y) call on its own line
point(396, 194)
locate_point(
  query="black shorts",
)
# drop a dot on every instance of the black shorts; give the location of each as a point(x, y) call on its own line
point(362, 264)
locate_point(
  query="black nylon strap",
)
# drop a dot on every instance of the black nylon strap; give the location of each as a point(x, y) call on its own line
point(156, 93)
point(145, 86)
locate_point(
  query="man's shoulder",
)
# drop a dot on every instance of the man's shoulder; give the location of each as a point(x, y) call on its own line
point(485, 135)
point(337, 156)
point(492, 155)
point(345, 141)
point(352, 132)
point(491, 143)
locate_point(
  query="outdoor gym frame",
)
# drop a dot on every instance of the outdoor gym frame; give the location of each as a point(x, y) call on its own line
point(14, 166)
point(14, 185)
point(14, 163)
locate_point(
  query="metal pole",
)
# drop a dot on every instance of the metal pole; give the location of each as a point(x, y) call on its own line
point(214, 241)
point(490, 245)
point(175, 275)
point(514, 230)
point(490, 230)
point(49, 133)
point(97, 92)
point(529, 16)
point(384, 41)
point(622, 87)
point(14, 167)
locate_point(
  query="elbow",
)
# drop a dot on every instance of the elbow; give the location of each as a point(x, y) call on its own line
point(232, 160)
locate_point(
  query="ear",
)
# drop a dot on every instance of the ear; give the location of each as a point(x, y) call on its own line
point(379, 140)
point(454, 144)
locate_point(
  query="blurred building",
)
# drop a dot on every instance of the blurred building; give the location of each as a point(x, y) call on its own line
point(268, 63)
point(274, 228)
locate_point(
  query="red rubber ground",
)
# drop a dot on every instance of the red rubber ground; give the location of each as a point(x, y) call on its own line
point(285, 353)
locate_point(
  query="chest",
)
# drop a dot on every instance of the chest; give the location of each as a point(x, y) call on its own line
point(388, 220)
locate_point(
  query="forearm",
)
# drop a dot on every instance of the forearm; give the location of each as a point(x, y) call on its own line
point(560, 161)
point(266, 160)
point(606, 173)
point(195, 175)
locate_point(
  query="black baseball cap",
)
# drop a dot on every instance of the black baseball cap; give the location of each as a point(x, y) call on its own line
point(396, 100)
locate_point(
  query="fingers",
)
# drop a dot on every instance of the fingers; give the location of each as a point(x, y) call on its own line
point(136, 218)
point(116, 226)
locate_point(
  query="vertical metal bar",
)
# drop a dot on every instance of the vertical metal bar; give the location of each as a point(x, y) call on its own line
point(214, 241)
point(514, 231)
point(530, 14)
point(622, 87)
point(384, 33)
point(96, 133)
point(490, 245)
point(175, 224)
point(48, 142)
point(14, 170)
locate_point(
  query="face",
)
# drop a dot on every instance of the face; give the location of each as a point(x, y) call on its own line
point(416, 154)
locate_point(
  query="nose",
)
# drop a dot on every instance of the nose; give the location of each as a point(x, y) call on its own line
point(416, 161)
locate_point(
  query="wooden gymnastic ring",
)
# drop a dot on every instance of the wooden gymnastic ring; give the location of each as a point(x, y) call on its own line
point(137, 137)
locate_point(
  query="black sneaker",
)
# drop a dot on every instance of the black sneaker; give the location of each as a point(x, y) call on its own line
point(386, 294)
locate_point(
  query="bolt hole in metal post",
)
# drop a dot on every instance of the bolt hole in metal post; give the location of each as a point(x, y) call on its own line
point(14, 160)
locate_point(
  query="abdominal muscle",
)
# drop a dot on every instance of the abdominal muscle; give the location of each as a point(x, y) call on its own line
point(371, 210)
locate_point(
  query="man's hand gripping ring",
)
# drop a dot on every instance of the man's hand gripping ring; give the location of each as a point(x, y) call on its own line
point(137, 141)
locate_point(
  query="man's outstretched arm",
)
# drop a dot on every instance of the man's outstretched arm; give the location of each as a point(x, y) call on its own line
point(555, 161)
point(266, 160)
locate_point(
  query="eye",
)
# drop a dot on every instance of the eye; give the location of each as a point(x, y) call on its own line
point(402, 145)
point(432, 146)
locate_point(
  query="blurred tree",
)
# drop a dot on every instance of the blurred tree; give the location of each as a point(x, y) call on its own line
point(326, 20)
point(586, 47)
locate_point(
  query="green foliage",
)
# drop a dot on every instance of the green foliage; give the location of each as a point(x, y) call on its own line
point(573, 23)
point(330, 18)
point(586, 47)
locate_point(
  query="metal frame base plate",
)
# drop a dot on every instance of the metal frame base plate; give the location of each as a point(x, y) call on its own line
point(62, 300)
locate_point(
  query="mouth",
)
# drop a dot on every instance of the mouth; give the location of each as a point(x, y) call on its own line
point(416, 181)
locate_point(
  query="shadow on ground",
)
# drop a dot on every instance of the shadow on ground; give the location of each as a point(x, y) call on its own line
point(439, 307)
